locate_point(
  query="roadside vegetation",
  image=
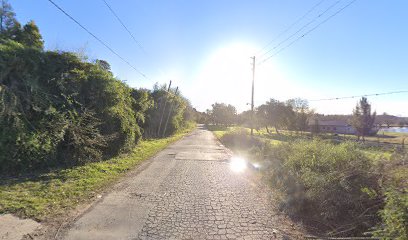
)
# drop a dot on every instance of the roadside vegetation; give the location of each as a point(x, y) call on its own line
point(339, 185)
point(48, 194)
point(68, 126)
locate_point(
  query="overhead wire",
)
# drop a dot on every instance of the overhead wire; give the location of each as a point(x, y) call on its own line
point(98, 39)
point(311, 30)
point(290, 27)
point(358, 96)
point(124, 26)
point(307, 32)
point(128, 31)
point(303, 27)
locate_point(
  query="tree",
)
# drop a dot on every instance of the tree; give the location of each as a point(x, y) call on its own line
point(103, 64)
point(301, 115)
point(274, 113)
point(30, 36)
point(316, 127)
point(223, 114)
point(11, 29)
point(166, 105)
point(363, 120)
point(56, 109)
point(7, 18)
point(388, 122)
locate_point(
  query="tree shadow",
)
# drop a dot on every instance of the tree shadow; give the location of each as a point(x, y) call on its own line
point(44, 176)
point(216, 127)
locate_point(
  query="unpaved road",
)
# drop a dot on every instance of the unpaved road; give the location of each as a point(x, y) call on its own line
point(188, 191)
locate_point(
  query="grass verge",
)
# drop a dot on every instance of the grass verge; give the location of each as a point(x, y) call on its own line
point(219, 130)
point(46, 195)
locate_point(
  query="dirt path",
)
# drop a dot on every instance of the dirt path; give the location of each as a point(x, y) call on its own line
point(188, 191)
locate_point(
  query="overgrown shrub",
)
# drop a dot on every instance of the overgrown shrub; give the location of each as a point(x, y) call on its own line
point(338, 187)
point(328, 183)
point(57, 109)
point(395, 190)
point(165, 116)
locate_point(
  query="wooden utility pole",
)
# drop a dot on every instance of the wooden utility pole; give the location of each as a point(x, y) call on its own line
point(164, 109)
point(168, 116)
point(252, 96)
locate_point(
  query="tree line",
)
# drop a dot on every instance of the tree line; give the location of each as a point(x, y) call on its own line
point(293, 114)
point(58, 109)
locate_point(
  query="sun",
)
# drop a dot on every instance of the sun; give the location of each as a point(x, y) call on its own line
point(225, 75)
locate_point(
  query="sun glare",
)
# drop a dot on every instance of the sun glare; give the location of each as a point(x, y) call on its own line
point(226, 76)
point(238, 164)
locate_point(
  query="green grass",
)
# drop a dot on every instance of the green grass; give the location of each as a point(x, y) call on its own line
point(382, 137)
point(374, 152)
point(220, 131)
point(329, 180)
point(46, 195)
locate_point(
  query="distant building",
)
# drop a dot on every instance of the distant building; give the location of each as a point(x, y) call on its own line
point(332, 126)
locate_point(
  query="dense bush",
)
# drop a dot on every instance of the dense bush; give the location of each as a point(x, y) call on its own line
point(328, 183)
point(395, 190)
point(166, 115)
point(337, 186)
point(56, 108)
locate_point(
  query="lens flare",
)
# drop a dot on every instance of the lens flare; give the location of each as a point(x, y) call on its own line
point(256, 166)
point(238, 164)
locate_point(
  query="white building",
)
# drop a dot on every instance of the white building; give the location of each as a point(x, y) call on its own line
point(332, 126)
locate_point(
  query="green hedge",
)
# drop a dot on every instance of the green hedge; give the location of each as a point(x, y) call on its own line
point(58, 109)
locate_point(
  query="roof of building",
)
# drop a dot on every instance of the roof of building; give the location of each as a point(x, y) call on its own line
point(329, 123)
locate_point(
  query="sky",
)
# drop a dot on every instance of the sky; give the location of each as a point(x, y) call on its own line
point(205, 47)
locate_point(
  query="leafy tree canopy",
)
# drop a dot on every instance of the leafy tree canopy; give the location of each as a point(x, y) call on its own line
point(363, 120)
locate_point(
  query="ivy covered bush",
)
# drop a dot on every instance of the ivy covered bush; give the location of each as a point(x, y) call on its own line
point(59, 109)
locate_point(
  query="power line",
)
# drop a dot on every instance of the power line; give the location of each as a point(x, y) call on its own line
point(128, 31)
point(124, 26)
point(303, 27)
point(98, 39)
point(358, 96)
point(306, 33)
point(291, 26)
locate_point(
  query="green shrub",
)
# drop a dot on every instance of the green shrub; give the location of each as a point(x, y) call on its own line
point(343, 188)
point(57, 109)
point(167, 107)
point(395, 190)
point(327, 183)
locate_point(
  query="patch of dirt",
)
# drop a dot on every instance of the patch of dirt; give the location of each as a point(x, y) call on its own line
point(14, 228)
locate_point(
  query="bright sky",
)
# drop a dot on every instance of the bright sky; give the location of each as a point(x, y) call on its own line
point(205, 47)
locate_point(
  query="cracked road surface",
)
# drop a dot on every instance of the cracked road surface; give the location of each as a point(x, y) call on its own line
point(188, 191)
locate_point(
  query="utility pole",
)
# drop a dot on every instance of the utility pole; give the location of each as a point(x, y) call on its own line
point(252, 96)
point(164, 109)
point(168, 116)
